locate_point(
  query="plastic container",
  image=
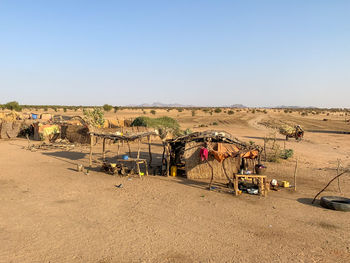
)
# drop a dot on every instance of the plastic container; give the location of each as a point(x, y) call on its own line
point(285, 184)
point(34, 116)
point(125, 157)
point(173, 171)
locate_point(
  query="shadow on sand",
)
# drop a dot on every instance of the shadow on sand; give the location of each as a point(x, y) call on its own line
point(307, 201)
point(262, 138)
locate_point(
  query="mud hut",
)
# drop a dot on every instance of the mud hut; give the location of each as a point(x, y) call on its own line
point(226, 155)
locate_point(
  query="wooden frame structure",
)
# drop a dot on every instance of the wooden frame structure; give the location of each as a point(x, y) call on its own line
point(123, 138)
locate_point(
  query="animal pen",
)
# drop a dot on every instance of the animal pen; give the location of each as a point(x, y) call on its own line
point(124, 138)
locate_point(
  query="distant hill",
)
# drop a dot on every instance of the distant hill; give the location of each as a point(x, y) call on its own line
point(238, 106)
point(294, 107)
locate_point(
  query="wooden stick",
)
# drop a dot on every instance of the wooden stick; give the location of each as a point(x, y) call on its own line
point(129, 148)
point(118, 149)
point(295, 174)
point(104, 149)
point(212, 174)
point(328, 185)
point(91, 145)
point(149, 150)
point(338, 168)
point(138, 149)
point(168, 161)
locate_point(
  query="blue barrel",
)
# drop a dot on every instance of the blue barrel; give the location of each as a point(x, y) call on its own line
point(125, 157)
point(34, 116)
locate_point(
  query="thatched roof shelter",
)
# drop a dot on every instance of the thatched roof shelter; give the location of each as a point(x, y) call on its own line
point(121, 137)
point(227, 154)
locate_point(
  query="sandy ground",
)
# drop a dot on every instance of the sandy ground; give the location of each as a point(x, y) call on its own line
point(51, 213)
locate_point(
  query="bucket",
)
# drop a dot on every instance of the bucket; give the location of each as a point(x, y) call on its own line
point(125, 157)
point(173, 171)
point(260, 170)
point(34, 116)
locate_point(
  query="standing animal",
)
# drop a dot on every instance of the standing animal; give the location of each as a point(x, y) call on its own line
point(297, 132)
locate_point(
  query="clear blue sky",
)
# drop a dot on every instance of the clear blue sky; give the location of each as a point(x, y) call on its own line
point(200, 52)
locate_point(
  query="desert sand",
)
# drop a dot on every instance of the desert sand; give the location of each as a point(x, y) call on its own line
point(51, 213)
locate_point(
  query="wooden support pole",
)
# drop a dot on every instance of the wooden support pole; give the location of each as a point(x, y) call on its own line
point(167, 160)
point(163, 158)
point(149, 150)
point(138, 149)
point(129, 148)
point(118, 149)
point(295, 174)
point(104, 149)
point(91, 145)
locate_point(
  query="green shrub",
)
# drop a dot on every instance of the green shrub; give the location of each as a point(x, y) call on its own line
point(116, 108)
point(217, 110)
point(193, 113)
point(153, 112)
point(230, 112)
point(13, 105)
point(286, 154)
point(215, 123)
point(162, 122)
point(94, 117)
point(180, 109)
point(107, 107)
point(65, 109)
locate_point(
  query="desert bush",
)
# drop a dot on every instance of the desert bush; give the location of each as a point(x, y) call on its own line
point(94, 117)
point(253, 111)
point(13, 105)
point(65, 109)
point(46, 108)
point(217, 110)
point(116, 108)
point(153, 112)
point(107, 107)
point(193, 112)
point(205, 110)
point(286, 154)
point(162, 122)
point(230, 112)
point(215, 123)
point(180, 109)
point(265, 111)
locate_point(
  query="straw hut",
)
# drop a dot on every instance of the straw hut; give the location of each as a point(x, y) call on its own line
point(226, 155)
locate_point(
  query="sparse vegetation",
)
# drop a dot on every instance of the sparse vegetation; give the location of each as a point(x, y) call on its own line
point(230, 112)
point(13, 105)
point(94, 118)
point(107, 107)
point(218, 110)
point(162, 122)
point(153, 112)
